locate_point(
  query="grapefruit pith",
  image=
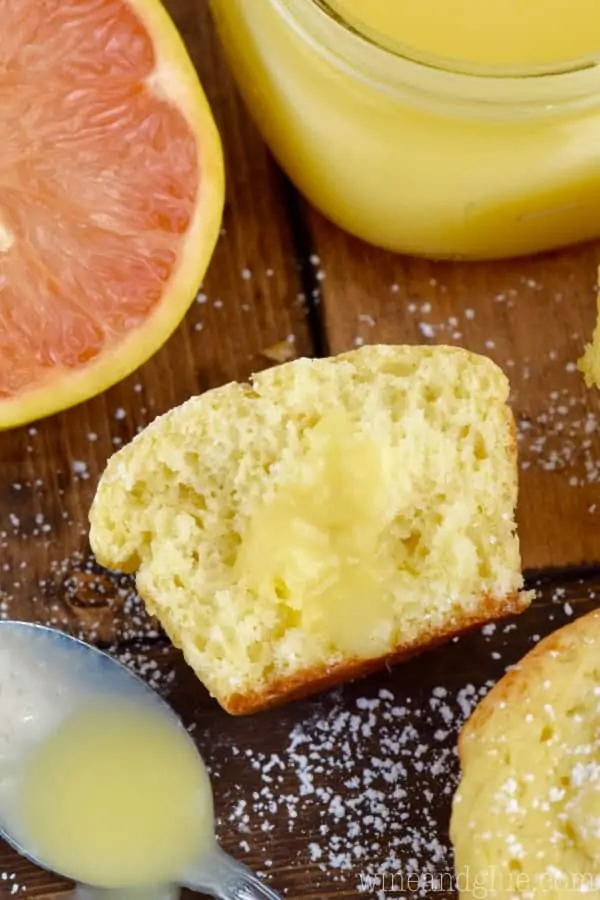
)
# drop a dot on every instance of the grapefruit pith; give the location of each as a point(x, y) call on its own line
point(111, 195)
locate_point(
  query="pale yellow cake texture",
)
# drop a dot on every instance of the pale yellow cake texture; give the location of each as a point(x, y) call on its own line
point(526, 816)
point(330, 516)
point(589, 363)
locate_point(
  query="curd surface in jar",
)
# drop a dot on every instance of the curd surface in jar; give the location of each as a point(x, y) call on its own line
point(455, 159)
point(492, 32)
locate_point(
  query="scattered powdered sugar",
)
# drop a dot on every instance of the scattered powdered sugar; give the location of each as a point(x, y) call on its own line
point(80, 469)
point(9, 886)
point(365, 786)
point(143, 662)
point(562, 437)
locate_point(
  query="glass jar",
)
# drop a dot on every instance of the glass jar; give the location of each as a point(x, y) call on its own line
point(409, 155)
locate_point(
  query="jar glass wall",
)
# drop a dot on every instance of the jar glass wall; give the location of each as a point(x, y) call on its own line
point(411, 156)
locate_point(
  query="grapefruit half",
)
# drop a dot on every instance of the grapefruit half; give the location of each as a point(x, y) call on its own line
point(111, 195)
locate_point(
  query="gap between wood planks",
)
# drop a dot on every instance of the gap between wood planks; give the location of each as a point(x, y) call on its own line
point(307, 254)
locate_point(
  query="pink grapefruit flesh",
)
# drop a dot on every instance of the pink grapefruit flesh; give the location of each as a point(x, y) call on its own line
point(111, 194)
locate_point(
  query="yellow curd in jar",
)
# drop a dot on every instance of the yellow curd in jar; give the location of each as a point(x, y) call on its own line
point(491, 32)
point(438, 127)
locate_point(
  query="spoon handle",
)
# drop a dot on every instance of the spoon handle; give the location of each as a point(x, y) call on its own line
point(225, 878)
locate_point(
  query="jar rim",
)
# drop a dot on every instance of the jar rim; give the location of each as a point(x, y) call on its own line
point(398, 69)
point(456, 65)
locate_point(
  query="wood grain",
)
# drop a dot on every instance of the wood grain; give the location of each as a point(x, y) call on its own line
point(384, 746)
point(531, 316)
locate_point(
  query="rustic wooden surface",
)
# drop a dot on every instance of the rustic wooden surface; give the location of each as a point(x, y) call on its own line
point(285, 279)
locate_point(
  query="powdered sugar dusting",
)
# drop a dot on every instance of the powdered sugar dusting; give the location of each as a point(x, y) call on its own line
point(362, 785)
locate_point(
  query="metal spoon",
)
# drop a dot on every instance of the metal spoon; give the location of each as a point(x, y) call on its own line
point(45, 675)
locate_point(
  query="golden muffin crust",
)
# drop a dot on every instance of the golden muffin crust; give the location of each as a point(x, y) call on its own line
point(526, 816)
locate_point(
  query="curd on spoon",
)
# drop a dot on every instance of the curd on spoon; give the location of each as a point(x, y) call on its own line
point(99, 780)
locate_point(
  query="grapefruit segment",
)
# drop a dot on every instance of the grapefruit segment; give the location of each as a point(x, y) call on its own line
point(111, 195)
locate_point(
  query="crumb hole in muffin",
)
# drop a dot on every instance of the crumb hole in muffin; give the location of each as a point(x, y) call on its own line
point(546, 734)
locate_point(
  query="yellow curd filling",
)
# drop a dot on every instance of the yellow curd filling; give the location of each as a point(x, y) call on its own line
point(427, 146)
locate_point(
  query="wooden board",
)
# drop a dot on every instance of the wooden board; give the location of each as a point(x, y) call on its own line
point(326, 794)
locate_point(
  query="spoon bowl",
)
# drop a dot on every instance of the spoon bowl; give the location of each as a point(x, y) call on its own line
point(45, 676)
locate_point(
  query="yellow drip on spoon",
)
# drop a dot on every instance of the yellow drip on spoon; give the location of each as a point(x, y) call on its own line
point(116, 796)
